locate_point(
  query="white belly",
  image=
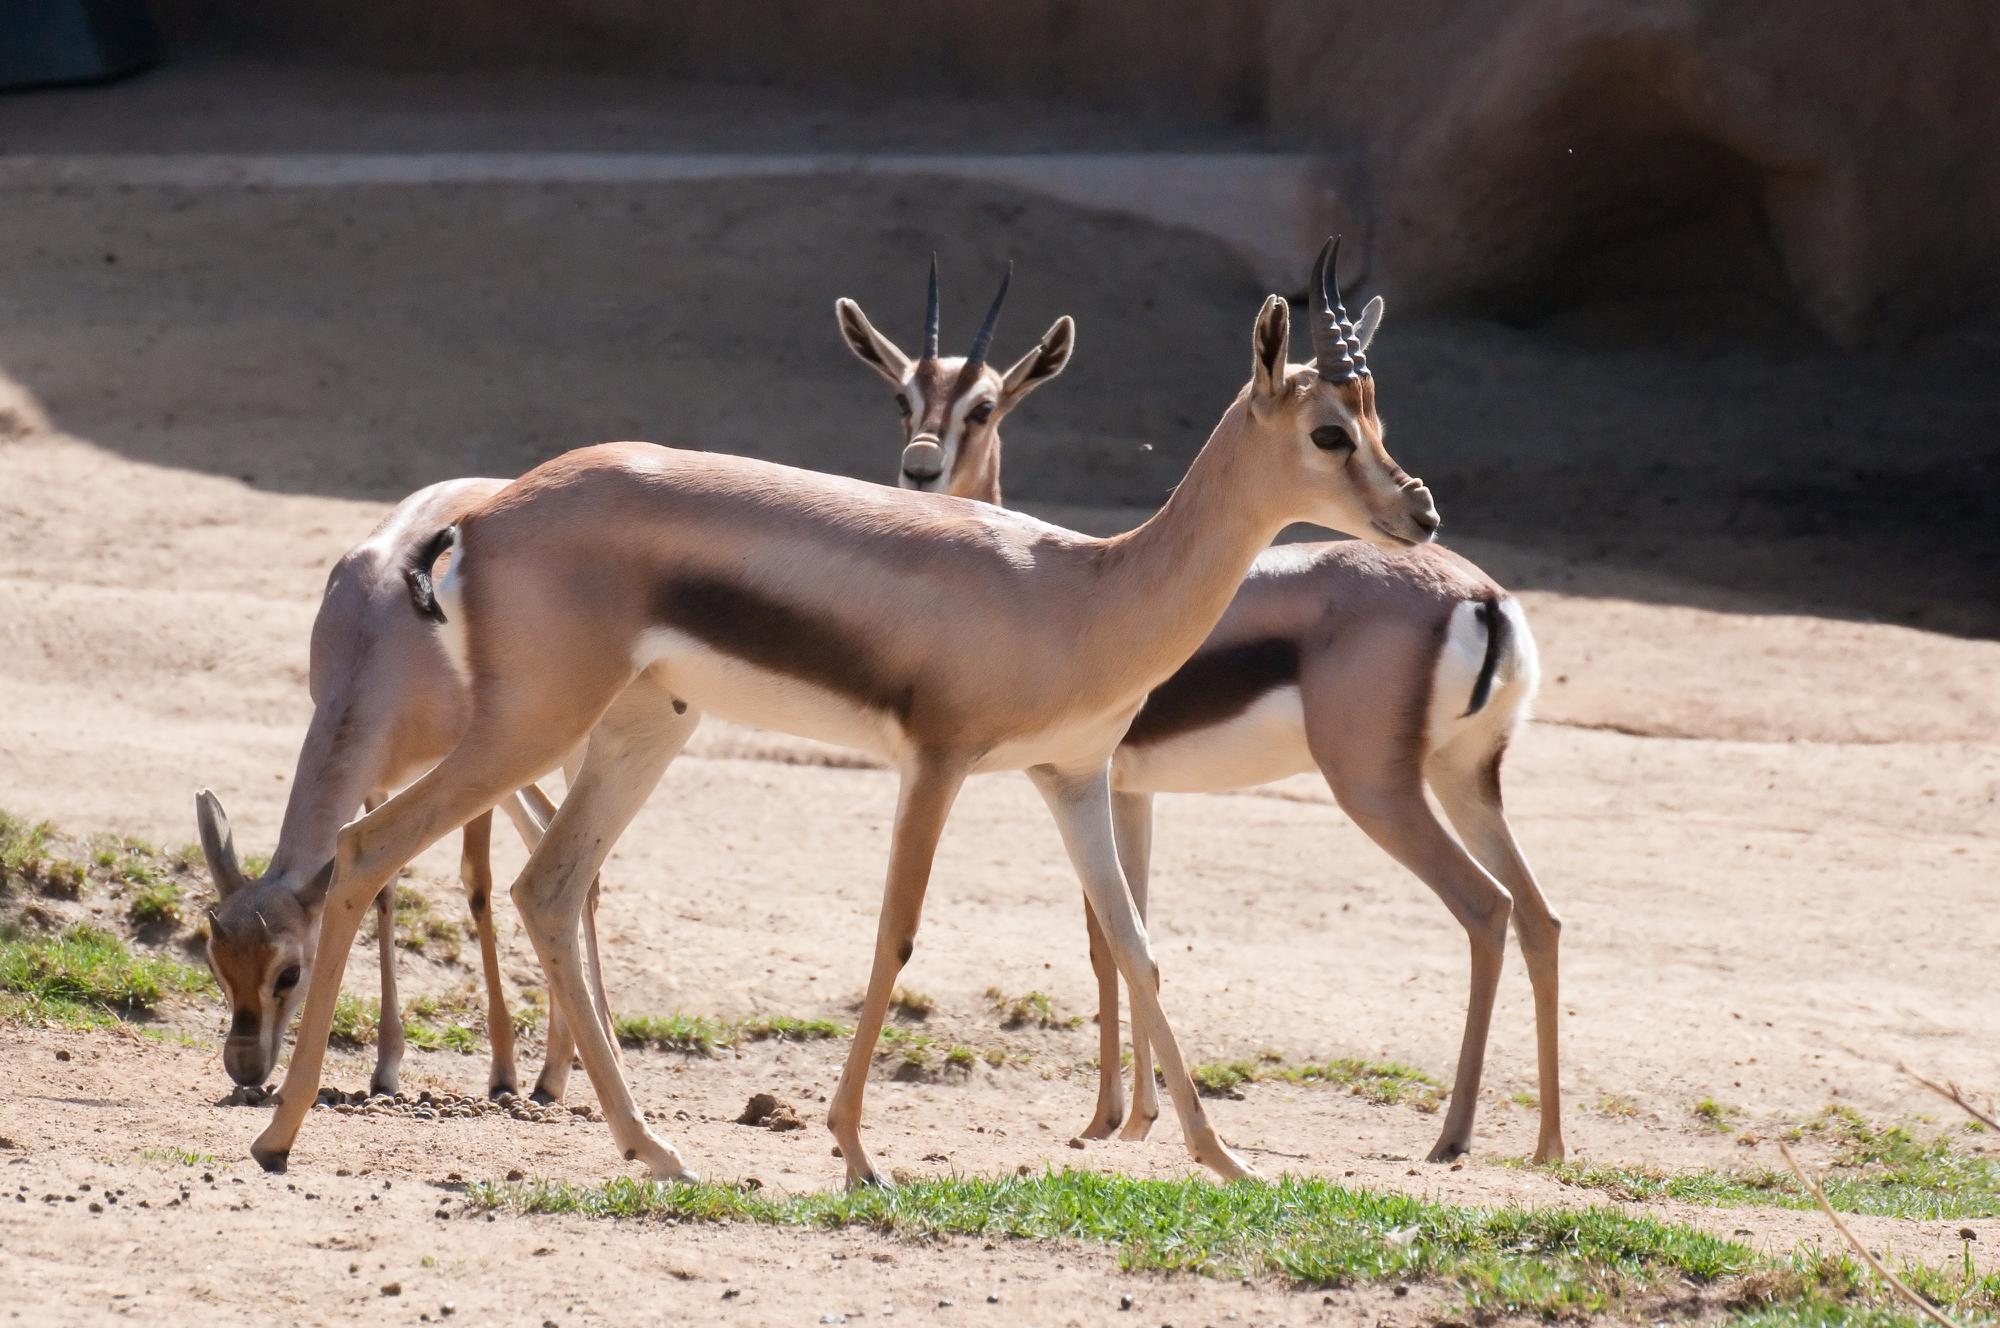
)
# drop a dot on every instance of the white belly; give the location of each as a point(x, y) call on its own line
point(1263, 743)
point(725, 686)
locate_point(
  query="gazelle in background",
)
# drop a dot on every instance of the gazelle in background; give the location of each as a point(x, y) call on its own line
point(388, 704)
point(618, 591)
point(1382, 670)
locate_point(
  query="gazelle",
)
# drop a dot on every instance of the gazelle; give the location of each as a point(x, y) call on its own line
point(616, 592)
point(1383, 671)
point(388, 704)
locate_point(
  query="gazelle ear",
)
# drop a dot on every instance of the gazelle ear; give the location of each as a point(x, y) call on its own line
point(1371, 318)
point(871, 347)
point(1271, 345)
point(313, 896)
point(218, 845)
point(1049, 357)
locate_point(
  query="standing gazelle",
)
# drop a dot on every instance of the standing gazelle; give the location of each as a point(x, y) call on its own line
point(388, 703)
point(1384, 671)
point(616, 592)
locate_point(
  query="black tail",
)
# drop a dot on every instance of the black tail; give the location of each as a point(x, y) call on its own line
point(417, 573)
point(1498, 629)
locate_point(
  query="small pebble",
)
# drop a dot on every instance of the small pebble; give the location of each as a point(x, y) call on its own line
point(1125, 1302)
point(392, 1288)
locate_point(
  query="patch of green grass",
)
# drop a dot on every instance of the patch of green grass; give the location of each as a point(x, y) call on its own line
point(1550, 1261)
point(790, 1028)
point(23, 847)
point(85, 977)
point(1524, 1099)
point(1030, 1009)
point(1880, 1172)
point(1379, 1081)
point(961, 1058)
point(1621, 1108)
point(696, 1034)
point(1717, 1116)
point(158, 904)
point(429, 1023)
point(177, 1156)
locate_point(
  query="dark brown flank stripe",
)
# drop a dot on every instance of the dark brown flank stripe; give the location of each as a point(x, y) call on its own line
point(1214, 686)
point(782, 638)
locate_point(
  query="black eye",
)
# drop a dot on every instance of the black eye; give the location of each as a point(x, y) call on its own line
point(1332, 438)
point(287, 979)
point(980, 413)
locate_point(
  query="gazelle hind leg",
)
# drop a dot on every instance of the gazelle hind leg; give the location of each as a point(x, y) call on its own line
point(475, 870)
point(631, 747)
point(1132, 827)
point(1383, 795)
point(571, 764)
point(531, 811)
point(389, 1038)
point(1466, 780)
point(477, 774)
point(929, 786)
point(1080, 801)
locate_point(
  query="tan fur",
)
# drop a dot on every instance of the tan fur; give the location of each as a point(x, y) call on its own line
point(1022, 645)
point(1338, 605)
point(388, 704)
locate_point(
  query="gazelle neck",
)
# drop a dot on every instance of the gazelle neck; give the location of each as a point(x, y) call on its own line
point(980, 479)
point(1164, 585)
point(335, 772)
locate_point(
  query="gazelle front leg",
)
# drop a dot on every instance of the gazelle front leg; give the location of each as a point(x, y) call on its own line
point(1080, 800)
point(930, 784)
point(388, 1076)
point(475, 869)
point(370, 852)
point(1132, 826)
point(632, 745)
point(531, 811)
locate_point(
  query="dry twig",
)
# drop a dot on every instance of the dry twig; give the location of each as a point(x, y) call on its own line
point(1951, 1094)
point(1930, 1311)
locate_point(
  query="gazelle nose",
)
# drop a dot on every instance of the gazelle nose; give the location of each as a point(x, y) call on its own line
point(923, 459)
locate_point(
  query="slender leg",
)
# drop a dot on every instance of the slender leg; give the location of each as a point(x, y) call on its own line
point(388, 1074)
point(1385, 798)
point(488, 763)
point(1110, 1108)
point(532, 811)
point(930, 785)
point(1469, 792)
point(1132, 825)
point(1080, 800)
point(475, 869)
point(630, 749)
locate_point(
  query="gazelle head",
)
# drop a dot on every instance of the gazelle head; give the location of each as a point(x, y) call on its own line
point(261, 937)
point(952, 406)
point(1324, 415)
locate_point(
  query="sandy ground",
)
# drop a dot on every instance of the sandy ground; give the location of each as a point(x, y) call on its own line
point(1768, 819)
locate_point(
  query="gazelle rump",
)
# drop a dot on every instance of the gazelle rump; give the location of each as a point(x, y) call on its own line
point(1385, 671)
point(618, 591)
point(388, 704)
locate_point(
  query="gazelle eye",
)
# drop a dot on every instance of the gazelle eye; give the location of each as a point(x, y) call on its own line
point(287, 979)
point(980, 413)
point(1332, 438)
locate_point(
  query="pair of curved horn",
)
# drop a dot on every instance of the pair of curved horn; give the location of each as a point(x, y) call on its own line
point(980, 343)
point(1336, 348)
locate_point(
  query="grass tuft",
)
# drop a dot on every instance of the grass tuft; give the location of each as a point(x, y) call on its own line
point(1387, 1082)
point(84, 977)
point(1032, 1009)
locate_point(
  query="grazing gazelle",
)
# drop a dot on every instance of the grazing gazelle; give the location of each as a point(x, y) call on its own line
point(618, 591)
point(388, 704)
point(1383, 671)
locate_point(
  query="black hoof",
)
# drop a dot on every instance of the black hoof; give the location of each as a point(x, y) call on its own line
point(274, 1163)
point(543, 1097)
point(499, 1091)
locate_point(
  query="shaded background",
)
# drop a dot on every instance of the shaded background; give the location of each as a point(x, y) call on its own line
point(1696, 289)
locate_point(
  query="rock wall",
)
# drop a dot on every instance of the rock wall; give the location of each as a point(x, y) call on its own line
point(1511, 157)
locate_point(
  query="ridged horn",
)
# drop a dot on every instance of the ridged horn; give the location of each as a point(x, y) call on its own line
point(980, 343)
point(931, 316)
point(1336, 349)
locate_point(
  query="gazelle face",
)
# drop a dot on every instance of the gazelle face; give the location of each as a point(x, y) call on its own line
point(260, 948)
point(952, 406)
point(261, 939)
point(1321, 419)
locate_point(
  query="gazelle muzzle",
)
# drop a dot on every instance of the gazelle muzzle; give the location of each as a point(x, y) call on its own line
point(923, 459)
